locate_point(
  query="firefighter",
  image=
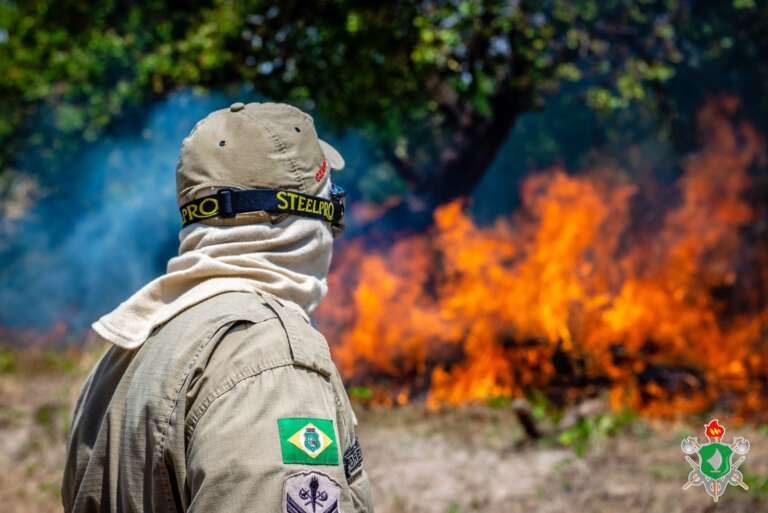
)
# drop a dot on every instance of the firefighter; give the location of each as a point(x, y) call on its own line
point(217, 394)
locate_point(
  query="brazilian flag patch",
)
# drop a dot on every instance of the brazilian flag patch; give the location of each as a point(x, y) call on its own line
point(308, 441)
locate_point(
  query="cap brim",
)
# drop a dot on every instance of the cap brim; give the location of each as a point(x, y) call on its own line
point(333, 157)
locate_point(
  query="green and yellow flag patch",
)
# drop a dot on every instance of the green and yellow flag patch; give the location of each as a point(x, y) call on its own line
point(308, 440)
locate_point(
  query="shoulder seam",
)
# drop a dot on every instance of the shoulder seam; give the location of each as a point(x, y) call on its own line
point(320, 361)
point(245, 374)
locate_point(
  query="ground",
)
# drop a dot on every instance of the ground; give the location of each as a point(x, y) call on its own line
point(467, 459)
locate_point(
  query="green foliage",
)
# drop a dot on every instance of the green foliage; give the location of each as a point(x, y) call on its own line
point(543, 409)
point(44, 415)
point(7, 361)
point(60, 362)
point(667, 471)
point(499, 402)
point(416, 78)
point(587, 429)
point(10, 415)
point(50, 488)
point(360, 393)
point(454, 508)
point(758, 486)
point(53, 417)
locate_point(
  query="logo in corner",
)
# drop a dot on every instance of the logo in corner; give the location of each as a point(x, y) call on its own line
point(715, 469)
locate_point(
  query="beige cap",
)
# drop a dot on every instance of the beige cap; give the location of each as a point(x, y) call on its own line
point(254, 146)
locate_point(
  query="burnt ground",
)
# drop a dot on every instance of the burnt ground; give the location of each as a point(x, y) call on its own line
point(467, 459)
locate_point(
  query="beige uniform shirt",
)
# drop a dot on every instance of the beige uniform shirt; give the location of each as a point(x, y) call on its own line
point(234, 405)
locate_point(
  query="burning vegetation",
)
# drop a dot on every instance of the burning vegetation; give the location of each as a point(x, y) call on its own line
point(592, 285)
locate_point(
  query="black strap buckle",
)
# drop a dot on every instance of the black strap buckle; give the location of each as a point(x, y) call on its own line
point(225, 203)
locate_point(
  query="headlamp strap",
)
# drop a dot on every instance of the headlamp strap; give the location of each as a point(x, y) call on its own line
point(229, 202)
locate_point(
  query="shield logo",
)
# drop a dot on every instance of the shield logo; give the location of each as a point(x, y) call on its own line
point(715, 460)
point(311, 439)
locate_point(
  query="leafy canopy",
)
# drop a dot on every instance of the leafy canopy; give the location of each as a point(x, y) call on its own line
point(426, 81)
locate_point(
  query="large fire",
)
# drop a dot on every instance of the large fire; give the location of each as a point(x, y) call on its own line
point(576, 293)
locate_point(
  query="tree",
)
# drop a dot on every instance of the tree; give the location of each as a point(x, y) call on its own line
point(435, 85)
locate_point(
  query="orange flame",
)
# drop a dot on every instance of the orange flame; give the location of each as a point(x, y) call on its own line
point(568, 294)
point(715, 430)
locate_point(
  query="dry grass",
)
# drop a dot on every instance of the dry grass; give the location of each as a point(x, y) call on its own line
point(461, 460)
point(37, 390)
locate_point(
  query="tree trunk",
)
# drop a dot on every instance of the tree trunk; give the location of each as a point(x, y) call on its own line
point(473, 150)
point(461, 166)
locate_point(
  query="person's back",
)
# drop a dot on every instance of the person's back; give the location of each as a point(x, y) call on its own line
point(192, 420)
point(219, 395)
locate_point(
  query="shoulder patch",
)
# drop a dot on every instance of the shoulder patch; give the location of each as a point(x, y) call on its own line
point(353, 459)
point(313, 492)
point(308, 441)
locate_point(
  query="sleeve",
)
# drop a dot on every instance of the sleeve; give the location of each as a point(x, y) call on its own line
point(274, 441)
point(352, 452)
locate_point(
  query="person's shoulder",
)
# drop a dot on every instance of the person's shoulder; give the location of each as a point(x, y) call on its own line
point(268, 333)
point(262, 340)
point(249, 344)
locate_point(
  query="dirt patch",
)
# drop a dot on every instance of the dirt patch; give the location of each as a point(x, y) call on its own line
point(467, 459)
point(470, 459)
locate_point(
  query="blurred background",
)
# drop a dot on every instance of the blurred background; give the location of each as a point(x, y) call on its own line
point(556, 264)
